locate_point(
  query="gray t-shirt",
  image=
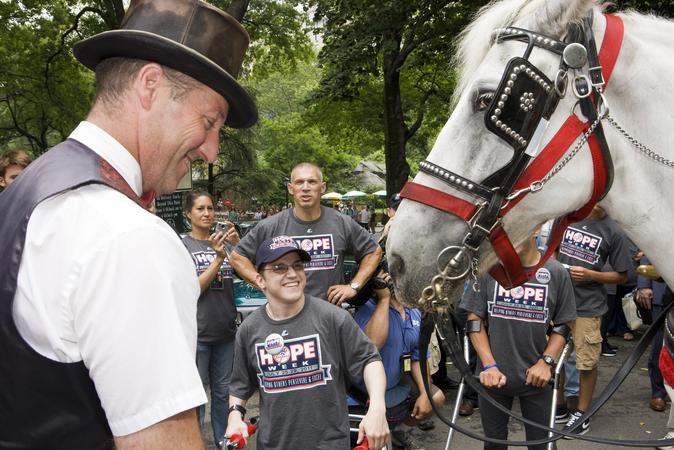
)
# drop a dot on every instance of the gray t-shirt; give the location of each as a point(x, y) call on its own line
point(216, 311)
point(518, 319)
point(327, 240)
point(302, 379)
point(592, 243)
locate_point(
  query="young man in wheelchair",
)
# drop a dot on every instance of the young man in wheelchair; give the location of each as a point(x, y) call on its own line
point(394, 330)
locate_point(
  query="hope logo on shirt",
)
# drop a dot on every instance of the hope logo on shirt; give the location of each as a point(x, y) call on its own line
point(581, 245)
point(203, 260)
point(297, 366)
point(528, 303)
point(321, 249)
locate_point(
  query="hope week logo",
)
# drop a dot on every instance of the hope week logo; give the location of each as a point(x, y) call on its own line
point(321, 249)
point(203, 260)
point(528, 303)
point(296, 366)
point(581, 245)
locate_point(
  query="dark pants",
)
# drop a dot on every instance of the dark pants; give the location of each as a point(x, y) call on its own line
point(657, 384)
point(535, 407)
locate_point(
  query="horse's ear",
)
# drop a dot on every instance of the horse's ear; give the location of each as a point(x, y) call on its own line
point(554, 16)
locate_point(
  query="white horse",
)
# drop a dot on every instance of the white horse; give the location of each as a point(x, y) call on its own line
point(641, 100)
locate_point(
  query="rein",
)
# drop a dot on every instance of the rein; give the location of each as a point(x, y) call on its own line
point(448, 338)
point(502, 190)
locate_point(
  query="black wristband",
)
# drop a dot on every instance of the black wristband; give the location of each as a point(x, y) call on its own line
point(239, 408)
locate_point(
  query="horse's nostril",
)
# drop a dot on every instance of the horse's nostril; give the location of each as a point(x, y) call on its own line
point(396, 265)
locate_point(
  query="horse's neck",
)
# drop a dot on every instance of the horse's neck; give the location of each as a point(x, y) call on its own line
point(642, 102)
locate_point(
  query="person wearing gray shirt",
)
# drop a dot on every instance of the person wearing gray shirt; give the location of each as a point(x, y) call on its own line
point(585, 248)
point(300, 353)
point(323, 232)
point(515, 356)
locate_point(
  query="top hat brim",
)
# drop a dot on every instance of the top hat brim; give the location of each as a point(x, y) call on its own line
point(152, 47)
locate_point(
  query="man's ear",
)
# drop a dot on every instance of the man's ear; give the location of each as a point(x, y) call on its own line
point(2, 182)
point(259, 280)
point(147, 83)
point(323, 187)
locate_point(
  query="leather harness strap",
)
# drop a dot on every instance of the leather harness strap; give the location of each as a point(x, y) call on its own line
point(511, 272)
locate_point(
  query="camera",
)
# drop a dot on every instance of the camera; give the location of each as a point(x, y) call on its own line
point(222, 227)
point(367, 291)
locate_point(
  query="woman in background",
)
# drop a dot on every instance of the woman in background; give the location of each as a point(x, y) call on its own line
point(216, 311)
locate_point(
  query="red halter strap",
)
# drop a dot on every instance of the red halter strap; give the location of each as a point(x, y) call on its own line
point(510, 271)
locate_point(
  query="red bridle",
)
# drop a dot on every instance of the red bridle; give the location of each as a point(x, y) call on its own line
point(510, 272)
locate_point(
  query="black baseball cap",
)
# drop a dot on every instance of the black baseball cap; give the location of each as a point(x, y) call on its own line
point(272, 249)
point(394, 200)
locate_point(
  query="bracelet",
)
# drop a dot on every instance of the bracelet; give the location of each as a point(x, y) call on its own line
point(238, 408)
point(489, 367)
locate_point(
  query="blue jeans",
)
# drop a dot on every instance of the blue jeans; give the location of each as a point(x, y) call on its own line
point(657, 383)
point(214, 362)
point(571, 377)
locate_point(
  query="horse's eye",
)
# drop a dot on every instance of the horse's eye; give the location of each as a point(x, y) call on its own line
point(483, 101)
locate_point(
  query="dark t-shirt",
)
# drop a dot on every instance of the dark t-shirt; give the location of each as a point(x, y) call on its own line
point(518, 319)
point(216, 311)
point(592, 243)
point(303, 385)
point(327, 240)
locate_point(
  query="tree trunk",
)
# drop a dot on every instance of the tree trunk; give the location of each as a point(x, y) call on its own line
point(397, 169)
point(211, 180)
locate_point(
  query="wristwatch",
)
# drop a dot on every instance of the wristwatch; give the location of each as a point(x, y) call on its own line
point(355, 286)
point(549, 360)
point(240, 408)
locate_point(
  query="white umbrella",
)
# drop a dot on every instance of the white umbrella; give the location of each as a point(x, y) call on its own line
point(354, 194)
point(332, 196)
point(380, 194)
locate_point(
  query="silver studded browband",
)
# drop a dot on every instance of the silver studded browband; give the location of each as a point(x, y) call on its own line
point(455, 180)
point(508, 33)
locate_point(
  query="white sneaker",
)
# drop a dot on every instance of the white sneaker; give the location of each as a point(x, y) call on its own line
point(669, 435)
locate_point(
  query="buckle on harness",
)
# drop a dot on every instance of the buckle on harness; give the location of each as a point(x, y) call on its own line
point(596, 74)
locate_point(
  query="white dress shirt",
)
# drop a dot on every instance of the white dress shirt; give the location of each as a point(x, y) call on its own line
point(105, 282)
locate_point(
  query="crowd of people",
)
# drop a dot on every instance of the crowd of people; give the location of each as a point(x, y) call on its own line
point(112, 328)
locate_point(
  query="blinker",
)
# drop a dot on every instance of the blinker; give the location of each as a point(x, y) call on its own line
point(575, 55)
point(519, 104)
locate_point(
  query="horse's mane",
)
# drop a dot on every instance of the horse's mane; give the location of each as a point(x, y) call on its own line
point(475, 40)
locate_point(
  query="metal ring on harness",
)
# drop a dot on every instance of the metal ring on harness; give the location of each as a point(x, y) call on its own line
point(619, 377)
point(452, 265)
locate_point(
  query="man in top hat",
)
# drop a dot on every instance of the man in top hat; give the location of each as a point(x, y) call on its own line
point(301, 353)
point(98, 296)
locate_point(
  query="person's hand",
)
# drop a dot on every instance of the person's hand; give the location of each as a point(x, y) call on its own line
point(422, 408)
point(340, 293)
point(644, 297)
point(374, 427)
point(492, 378)
point(232, 236)
point(580, 273)
point(539, 374)
point(235, 424)
point(217, 241)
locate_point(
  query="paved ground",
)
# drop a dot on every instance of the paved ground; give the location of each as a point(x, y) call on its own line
point(625, 416)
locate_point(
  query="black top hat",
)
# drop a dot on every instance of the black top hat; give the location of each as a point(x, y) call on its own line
point(189, 36)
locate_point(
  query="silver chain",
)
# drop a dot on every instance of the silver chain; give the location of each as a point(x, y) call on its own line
point(474, 274)
point(639, 146)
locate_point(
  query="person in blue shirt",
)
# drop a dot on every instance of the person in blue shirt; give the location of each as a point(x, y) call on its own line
point(394, 329)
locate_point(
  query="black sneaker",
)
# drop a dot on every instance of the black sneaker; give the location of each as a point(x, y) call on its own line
point(402, 440)
point(574, 418)
point(608, 351)
point(561, 414)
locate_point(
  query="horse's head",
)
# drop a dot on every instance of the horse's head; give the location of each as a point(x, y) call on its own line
point(467, 148)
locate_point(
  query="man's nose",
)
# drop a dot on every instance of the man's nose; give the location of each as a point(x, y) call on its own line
point(211, 146)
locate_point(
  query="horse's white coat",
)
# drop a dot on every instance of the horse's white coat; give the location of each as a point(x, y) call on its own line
point(640, 98)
